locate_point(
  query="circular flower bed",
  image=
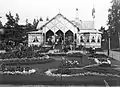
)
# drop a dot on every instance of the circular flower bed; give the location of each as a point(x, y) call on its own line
point(69, 72)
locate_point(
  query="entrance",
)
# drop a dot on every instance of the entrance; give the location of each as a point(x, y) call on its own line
point(60, 37)
point(69, 37)
point(49, 38)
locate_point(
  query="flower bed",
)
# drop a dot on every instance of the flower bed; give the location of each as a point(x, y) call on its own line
point(56, 54)
point(31, 71)
point(18, 69)
point(69, 64)
point(74, 54)
point(27, 61)
point(98, 55)
point(76, 72)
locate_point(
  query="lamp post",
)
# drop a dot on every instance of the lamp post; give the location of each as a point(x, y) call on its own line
point(108, 42)
point(119, 39)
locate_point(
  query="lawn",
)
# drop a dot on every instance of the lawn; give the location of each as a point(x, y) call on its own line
point(40, 78)
point(48, 80)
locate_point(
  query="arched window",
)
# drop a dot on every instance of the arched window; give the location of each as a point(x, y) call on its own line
point(93, 40)
point(98, 40)
point(81, 39)
point(88, 40)
point(35, 39)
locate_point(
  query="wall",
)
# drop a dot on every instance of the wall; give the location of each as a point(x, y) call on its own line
point(35, 39)
point(96, 44)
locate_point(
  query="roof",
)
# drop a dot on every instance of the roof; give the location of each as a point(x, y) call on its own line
point(40, 24)
point(90, 31)
point(35, 32)
point(62, 17)
point(84, 24)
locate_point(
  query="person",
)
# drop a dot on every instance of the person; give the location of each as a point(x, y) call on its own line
point(93, 49)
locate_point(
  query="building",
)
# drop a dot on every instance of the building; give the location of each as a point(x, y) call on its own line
point(59, 30)
point(35, 38)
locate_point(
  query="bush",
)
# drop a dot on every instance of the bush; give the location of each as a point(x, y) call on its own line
point(98, 55)
point(69, 64)
point(27, 61)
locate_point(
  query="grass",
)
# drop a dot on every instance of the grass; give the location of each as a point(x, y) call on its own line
point(40, 78)
point(47, 80)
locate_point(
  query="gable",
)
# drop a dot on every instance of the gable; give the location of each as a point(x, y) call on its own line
point(59, 22)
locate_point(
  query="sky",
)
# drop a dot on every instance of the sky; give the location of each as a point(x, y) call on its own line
point(30, 9)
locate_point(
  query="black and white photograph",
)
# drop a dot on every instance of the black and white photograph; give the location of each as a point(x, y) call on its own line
point(59, 43)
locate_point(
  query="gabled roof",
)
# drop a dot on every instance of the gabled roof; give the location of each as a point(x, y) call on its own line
point(62, 17)
point(84, 24)
point(41, 23)
point(90, 31)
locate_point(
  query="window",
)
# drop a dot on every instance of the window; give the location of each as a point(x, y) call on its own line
point(93, 40)
point(87, 40)
point(81, 39)
point(35, 39)
point(98, 40)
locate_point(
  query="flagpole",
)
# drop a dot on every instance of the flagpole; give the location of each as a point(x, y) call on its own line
point(93, 15)
point(93, 23)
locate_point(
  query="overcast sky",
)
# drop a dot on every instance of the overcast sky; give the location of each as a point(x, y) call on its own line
point(42, 8)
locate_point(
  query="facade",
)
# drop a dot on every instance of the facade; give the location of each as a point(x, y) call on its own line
point(90, 38)
point(59, 30)
point(35, 38)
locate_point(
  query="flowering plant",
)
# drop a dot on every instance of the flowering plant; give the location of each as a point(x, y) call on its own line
point(50, 72)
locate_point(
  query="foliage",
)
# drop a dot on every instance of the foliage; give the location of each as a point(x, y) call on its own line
point(1, 26)
point(69, 64)
point(35, 23)
point(27, 61)
point(82, 72)
point(12, 22)
point(15, 32)
point(98, 55)
point(104, 33)
point(22, 51)
point(114, 24)
point(114, 17)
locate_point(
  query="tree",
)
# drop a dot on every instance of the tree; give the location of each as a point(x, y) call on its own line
point(114, 22)
point(1, 26)
point(13, 31)
point(35, 23)
point(17, 18)
point(104, 33)
point(104, 38)
point(114, 16)
point(1, 30)
point(28, 26)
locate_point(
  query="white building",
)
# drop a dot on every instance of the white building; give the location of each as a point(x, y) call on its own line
point(35, 38)
point(81, 32)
